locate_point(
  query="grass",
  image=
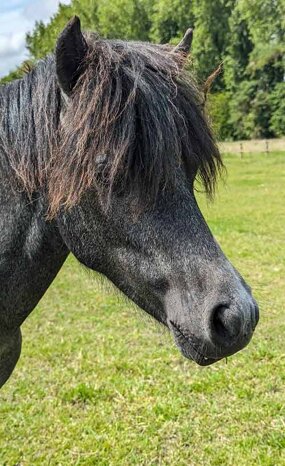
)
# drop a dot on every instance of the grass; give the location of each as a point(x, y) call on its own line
point(99, 384)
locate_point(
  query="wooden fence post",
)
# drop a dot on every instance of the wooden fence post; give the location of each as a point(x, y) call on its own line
point(267, 147)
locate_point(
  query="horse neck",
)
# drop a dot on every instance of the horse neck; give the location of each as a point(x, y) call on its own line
point(28, 128)
point(32, 250)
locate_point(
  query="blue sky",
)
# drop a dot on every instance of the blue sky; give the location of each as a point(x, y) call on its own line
point(16, 18)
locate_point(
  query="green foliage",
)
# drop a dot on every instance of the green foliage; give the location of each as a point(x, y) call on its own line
point(265, 19)
point(255, 66)
point(250, 112)
point(248, 37)
point(16, 74)
point(211, 35)
point(277, 100)
point(170, 20)
point(219, 110)
point(124, 19)
point(238, 48)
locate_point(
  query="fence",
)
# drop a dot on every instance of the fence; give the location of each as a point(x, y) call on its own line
point(254, 146)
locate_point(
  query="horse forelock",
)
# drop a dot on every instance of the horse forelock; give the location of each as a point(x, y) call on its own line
point(133, 120)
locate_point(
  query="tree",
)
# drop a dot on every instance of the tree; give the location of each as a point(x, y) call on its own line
point(170, 20)
point(127, 19)
point(254, 65)
point(277, 119)
point(211, 36)
point(238, 49)
point(248, 37)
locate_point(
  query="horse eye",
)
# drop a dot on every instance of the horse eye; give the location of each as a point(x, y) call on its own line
point(101, 162)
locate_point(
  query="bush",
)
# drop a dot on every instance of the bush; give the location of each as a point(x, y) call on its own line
point(277, 100)
point(219, 109)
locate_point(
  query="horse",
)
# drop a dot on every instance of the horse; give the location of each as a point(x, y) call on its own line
point(100, 145)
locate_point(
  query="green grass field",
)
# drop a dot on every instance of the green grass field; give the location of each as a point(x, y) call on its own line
point(99, 383)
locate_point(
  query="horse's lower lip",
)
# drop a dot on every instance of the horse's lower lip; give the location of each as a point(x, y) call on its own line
point(188, 349)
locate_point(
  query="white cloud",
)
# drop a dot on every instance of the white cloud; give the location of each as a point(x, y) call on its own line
point(35, 10)
point(17, 17)
point(11, 46)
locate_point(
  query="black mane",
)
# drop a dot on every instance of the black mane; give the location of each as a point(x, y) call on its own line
point(29, 120)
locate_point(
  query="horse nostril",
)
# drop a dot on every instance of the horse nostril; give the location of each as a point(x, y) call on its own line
point(226, 324)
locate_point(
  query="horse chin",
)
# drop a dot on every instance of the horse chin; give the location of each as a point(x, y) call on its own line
point(188, 349)
point(190, 352)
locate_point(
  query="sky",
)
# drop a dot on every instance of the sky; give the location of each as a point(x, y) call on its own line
point(17, 17)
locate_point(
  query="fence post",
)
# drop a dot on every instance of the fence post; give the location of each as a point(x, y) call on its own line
point(267, 147)
point(241, 149)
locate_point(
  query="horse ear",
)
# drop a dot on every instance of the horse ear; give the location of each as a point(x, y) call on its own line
point(71, 49)
point(185, 45)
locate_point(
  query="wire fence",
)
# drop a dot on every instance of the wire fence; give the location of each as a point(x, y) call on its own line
point(265, 146)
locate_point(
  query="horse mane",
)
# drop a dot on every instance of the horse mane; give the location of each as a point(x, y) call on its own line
point(29, 122)
point(133, 120)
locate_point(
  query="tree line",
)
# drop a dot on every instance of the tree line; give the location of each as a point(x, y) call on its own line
point(248, 97)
